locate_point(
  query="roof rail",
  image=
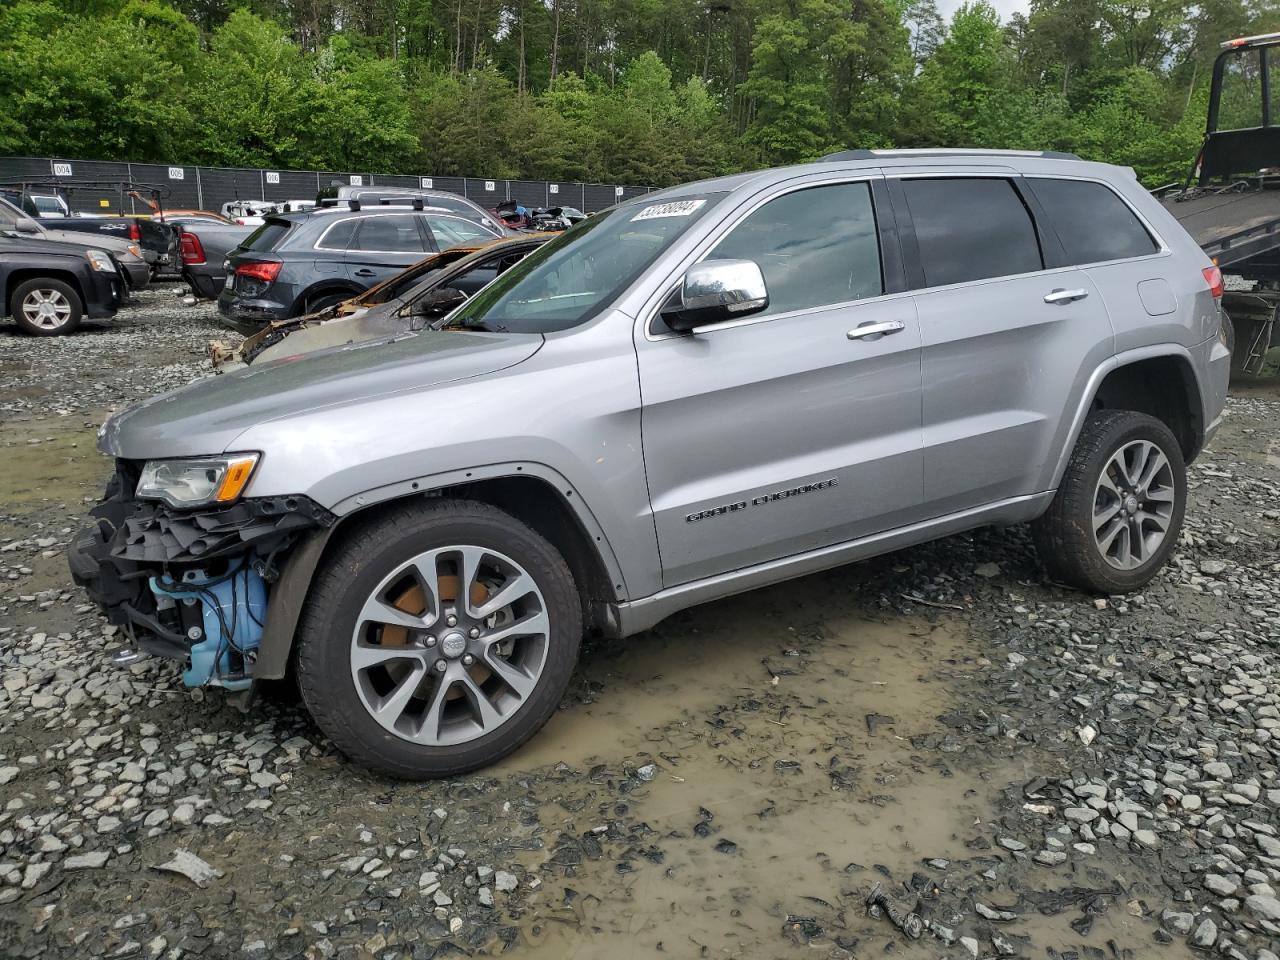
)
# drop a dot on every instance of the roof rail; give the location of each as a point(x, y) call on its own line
point(845, 155)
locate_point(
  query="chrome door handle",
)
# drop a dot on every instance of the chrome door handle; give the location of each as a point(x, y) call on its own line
point(1064, 296)
point(873, 329)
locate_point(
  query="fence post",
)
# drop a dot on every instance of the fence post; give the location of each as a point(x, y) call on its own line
point(199, 190)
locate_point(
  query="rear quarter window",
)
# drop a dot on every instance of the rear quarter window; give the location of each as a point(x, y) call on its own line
point(268, 236)
point(1092, 222)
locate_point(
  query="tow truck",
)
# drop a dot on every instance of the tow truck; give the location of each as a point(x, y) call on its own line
point(1230, 200)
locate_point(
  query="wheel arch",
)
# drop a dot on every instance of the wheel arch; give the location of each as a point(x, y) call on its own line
point(21, 275)
point(1160, 381)
point(328, 287)
point(532, 493)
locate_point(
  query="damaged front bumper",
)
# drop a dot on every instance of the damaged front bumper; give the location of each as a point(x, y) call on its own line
point(192, 585)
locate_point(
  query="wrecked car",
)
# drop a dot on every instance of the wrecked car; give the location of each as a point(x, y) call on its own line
point(696, 393)
point(407, 302)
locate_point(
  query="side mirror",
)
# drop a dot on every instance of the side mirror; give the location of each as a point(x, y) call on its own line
point(26, 225)
point(715, 291)
point(437, 302)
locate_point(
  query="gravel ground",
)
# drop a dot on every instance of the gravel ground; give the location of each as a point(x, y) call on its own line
point(936, 753)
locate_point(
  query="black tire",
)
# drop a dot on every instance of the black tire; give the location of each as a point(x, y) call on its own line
point(1064, 535)
point(326, 300)
point(49, 288)
point(353, 571)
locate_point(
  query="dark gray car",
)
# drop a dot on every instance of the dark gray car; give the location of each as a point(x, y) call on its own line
point(303, 262)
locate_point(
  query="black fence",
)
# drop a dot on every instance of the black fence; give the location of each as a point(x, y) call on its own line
point(208, 188)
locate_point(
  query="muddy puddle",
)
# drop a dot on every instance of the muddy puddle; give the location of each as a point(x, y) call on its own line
point(47, 461)
point(789, 779)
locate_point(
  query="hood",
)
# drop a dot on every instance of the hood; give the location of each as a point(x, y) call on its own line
point(116, 246)
point(207, 416)
point(362, 326)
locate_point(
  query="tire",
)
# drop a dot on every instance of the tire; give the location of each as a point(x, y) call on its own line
point(1071, 546)
point(64, 313)
point(325, 301)
point(384, 560)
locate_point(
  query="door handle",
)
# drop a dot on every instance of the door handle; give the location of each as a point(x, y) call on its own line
point(1064, 296)
point(873, 329)
point(365, 273)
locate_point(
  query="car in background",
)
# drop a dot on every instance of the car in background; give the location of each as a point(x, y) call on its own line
point(406, 303)
point(127, 255)
point(183, 217)
point(50, 205)
point(342, 195)
point(49, 287)
point(299, 263)
point(204, 249)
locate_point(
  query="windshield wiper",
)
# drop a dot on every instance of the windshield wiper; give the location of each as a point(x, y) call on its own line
point(478, 325)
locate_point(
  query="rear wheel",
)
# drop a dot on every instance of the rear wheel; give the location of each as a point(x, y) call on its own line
point(325, 301)
point(1116, 516)
point(46, 308)
point(438, 639)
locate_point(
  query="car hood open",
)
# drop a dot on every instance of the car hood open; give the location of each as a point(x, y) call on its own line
point(205, 417)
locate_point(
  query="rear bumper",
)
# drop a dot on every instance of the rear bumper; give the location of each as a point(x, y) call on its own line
point(206, 283)
point(248, 316)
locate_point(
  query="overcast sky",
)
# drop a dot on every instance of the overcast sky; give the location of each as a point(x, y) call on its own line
point(1004, 7)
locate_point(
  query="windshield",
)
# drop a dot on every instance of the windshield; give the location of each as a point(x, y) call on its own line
point(573, 277)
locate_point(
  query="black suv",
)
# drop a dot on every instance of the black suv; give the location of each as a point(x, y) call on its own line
point(298, 263)
point(50, 287)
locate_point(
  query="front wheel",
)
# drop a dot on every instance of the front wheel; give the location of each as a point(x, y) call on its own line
point(438, 639)
point(1116, 516)
point(46, 308)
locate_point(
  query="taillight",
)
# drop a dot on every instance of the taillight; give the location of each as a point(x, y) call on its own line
point(135, 231)
point(265, 271)
point(192, 250)
point(1213, 277)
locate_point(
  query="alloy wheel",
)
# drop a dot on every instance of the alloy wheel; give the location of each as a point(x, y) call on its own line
point(450, 645)
point(47, 309)
point(1133, 504)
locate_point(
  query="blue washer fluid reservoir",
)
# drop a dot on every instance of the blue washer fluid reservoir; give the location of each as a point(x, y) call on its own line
point(233, 608)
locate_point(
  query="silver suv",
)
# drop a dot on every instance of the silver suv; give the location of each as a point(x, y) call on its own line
point(699, 392)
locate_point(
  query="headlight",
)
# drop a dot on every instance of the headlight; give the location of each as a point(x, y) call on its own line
point(100, 261)
point(135, 250)
point(197, 481)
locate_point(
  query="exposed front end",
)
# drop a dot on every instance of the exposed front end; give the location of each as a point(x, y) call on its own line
point(191, 584)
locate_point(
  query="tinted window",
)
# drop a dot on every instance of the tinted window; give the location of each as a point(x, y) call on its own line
point(338, 236)
point(969, 229)
point(815, 247)
point(455, 232)
point(395, 234)
point(268, 236)
point(1092, 222)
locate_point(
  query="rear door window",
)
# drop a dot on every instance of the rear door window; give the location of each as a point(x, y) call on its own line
point(815, 247)
point(389, 234)
point(971, 228)
point(1093, 223)
point(456, 232)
